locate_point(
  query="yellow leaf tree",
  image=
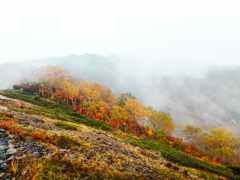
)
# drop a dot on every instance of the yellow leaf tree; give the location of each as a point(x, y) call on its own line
point(221, 143)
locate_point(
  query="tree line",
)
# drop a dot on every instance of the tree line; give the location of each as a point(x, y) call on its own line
point(128, 114)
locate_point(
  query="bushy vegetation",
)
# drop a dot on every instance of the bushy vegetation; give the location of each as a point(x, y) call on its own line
point(235, 169)
point(176, 156)
point(39, 136)
point(56, 111)
point(66, 126)
point(57, 101)
point(63, 141)
point(143, 142)
point(5, 116)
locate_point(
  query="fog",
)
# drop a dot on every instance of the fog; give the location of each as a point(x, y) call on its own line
point(178, 56)
point(150, 32)
point(208, 100)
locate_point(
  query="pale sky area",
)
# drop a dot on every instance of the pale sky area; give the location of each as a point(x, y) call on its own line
point(148, 31)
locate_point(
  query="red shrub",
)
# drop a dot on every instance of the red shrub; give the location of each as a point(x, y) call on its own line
point(170, 138)
point(15, 130)
point(194, 148)
point(4, 126)
point(136, 132)
point(39, 136)
point(114, 124)
point(215, 162)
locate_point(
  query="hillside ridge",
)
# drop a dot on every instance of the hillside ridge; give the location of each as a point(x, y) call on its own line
point(82, 153)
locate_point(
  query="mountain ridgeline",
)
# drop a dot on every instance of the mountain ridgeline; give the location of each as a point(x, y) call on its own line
point(211, 101)
point(64, 112)
point(128, 114)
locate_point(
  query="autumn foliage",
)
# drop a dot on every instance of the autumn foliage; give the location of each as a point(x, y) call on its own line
point(39, 136)
point(127, 114)
point(99, 102)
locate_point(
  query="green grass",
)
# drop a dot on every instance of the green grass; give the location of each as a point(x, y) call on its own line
point(5, 118)
point(181, 158)
point(66, 126)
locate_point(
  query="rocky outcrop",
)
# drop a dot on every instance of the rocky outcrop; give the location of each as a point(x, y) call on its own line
point(11, 149)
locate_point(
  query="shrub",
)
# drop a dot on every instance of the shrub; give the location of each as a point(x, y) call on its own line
point(16, 130)
point(65, 142)
point(4, 126)
point(235, 169)
point(177, 156)
point(66, 126)
point(39, 136)
point(54, 110)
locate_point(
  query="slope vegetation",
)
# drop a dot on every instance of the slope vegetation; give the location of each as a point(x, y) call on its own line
point(60, 143)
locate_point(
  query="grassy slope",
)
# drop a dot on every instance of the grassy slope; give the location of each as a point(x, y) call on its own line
point(56, 111)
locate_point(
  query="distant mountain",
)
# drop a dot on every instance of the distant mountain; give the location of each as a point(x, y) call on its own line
point(209, 102)
point(103, 69)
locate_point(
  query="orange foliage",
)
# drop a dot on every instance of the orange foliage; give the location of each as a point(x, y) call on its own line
point(94, 100)
point(15, 130)
point(39, 136)
point(150, 133)
point(4, 126)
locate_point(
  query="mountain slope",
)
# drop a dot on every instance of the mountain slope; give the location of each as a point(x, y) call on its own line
point(85, 152)
point(211, 101)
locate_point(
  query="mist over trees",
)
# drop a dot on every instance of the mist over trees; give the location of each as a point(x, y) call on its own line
point(209, 101)
point(218, 145)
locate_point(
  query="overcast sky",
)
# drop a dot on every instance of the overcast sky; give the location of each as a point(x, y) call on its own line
point(173, 31)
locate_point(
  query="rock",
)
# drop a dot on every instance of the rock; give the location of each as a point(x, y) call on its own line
point(10, 146)
point(25, 123)
point(23, 172)
point(72, 156)
point(2, 147)
point(10, 141)
point(49, 155)
point(3, 156)
point(37, 154)
point(11, 136)
point(63, 150)
point(11, 158)
point(4, 166)
point(17, 145)
point(2, 131)
point(11, 151)
point(2, 175)
point(36, 120)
